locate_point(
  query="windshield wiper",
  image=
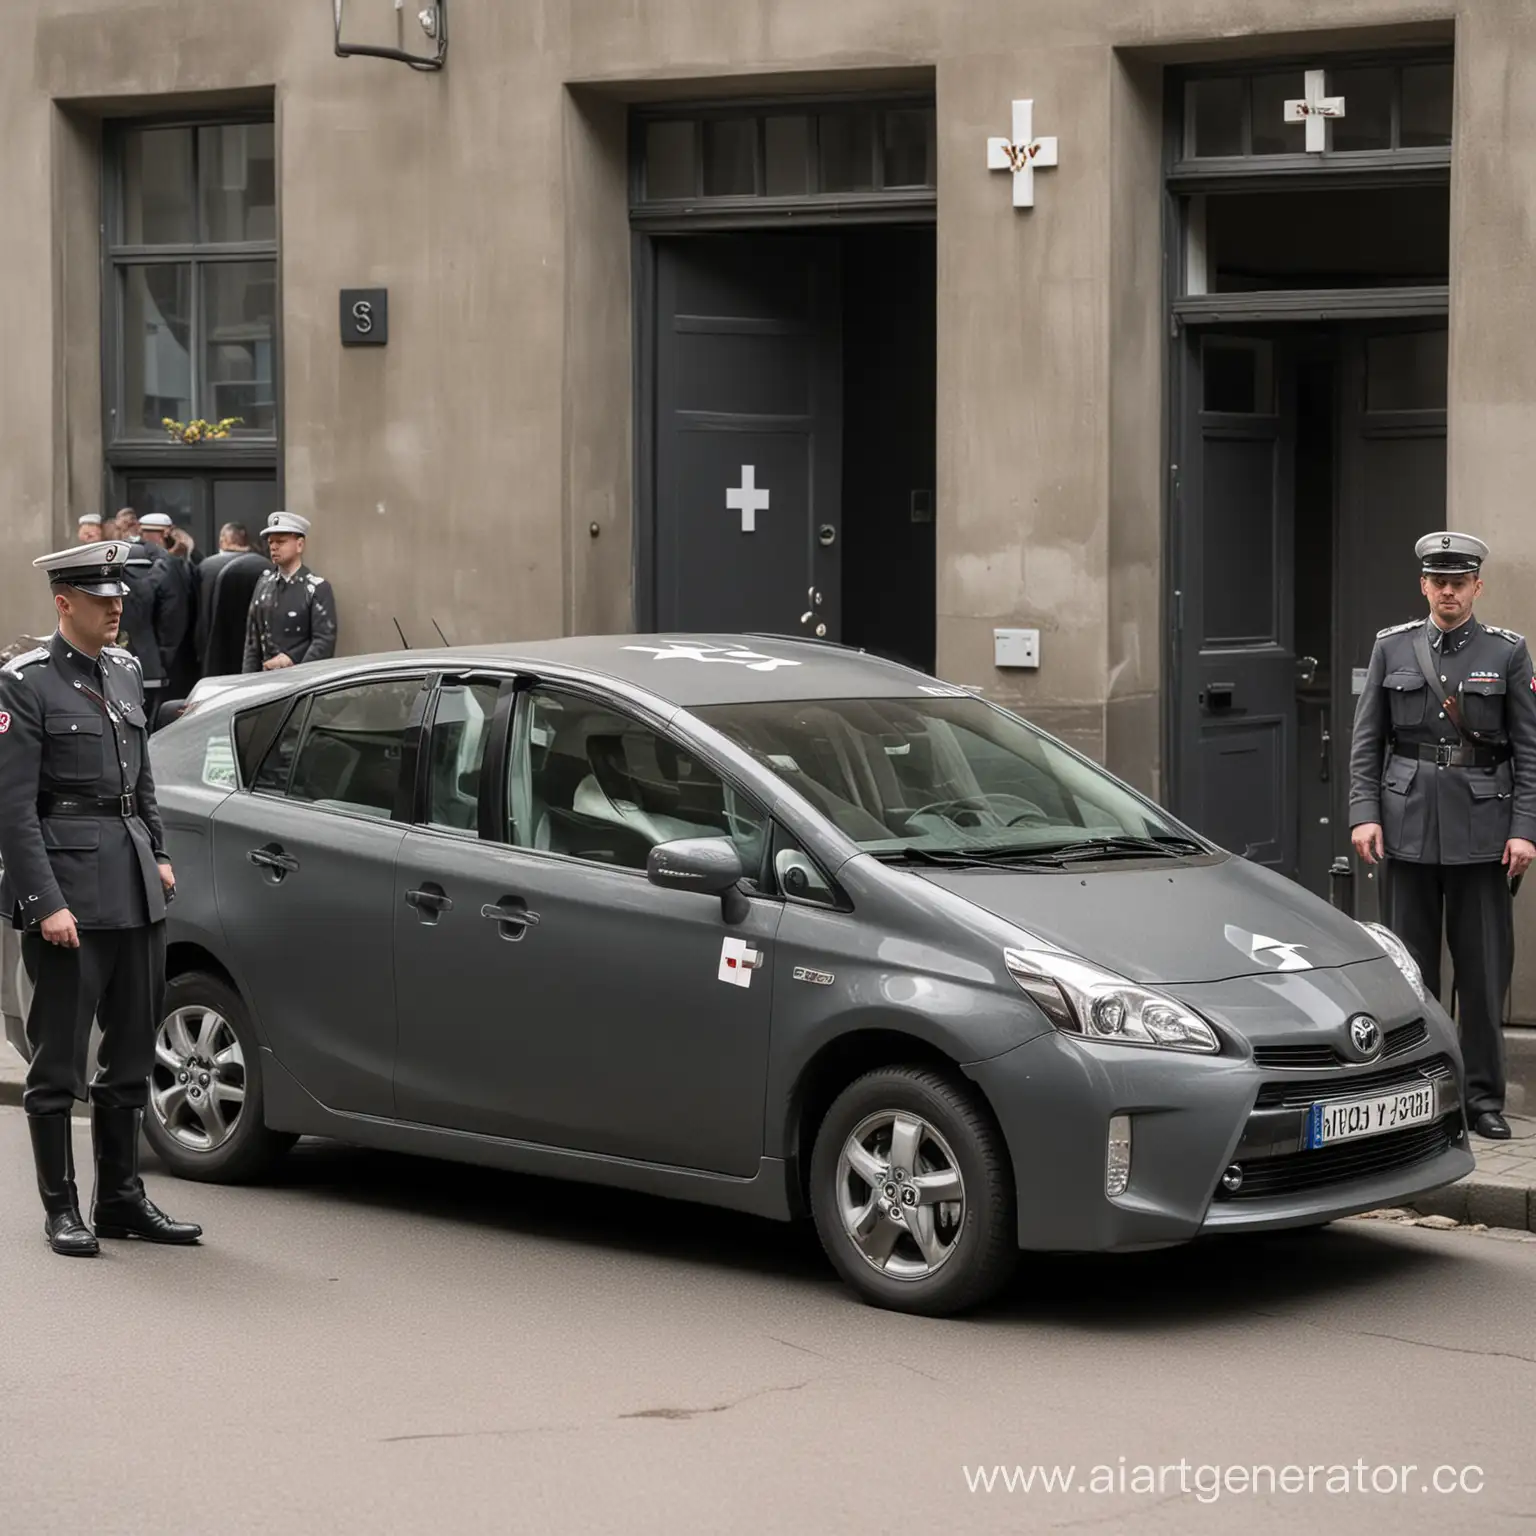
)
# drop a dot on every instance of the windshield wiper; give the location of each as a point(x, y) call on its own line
point(947, 859)
point(1163, 846)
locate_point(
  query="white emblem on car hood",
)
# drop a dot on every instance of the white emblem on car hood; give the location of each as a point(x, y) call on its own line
point(1273, 953)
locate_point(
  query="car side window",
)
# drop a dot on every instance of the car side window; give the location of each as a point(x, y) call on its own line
point(595, 783)
point(798, 876)
point(461, 731)
point(353, 750)
point(277, 765)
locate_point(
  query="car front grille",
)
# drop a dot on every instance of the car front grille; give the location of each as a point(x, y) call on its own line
point(1319, 1056)
point(1297, 1172)
point(1306, 1092)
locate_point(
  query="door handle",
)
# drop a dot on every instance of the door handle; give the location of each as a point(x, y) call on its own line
point(1218, 695)
point(273, 858)
point(428, 902)
point(512, 916)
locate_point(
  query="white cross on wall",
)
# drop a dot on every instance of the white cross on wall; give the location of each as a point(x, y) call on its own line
point(747, 498)
point(1023, 154)
point(1314, 109)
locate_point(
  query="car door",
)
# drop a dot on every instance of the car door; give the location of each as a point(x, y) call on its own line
point(547, 991)
point(304, 871)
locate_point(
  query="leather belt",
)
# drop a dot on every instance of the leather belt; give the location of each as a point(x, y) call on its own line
point(49, 804)
point(1456, 757)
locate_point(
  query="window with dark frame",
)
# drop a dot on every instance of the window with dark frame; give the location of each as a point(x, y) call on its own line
point(191, 326)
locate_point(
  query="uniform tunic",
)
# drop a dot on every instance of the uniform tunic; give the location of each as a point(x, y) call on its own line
point(290, 615)
point(73, 729)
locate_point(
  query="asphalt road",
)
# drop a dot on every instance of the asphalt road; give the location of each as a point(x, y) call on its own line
point(380, 1344)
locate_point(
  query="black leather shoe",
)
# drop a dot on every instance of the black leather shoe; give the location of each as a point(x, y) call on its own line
point(1491, 1125)
point(121, 1208)
point(54, 1153)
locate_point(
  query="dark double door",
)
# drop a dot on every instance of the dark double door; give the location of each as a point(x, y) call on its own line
point(1312, 459)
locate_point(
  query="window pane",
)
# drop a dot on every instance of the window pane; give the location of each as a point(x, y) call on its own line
point(1215, 117)
point(247, 500)
point(157, 342)
point(157, 187)
point(1272, 135)
point(730, 157)
point(598, 785)
point(1426, 122)
point(173, 497)
point(278, 762)
point(239, 324)
point(1237, 376)
point(848, 152)
point(909, 149)
point(254, 731)
point(237, 173)
point(671, 161)
point(1406, 371)
point(1367, 120)
point(787, 145)
point(354, 747)
point(461, 731)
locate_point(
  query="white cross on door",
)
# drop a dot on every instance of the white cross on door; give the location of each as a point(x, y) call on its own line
point(1023, 154)
point(747, 498)
point(1314, 109)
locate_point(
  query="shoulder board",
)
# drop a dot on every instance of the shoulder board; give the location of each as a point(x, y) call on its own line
point(123, 658)
point(315, 582)
point(26, 659)
point(1397, 629)
point(1504, 634)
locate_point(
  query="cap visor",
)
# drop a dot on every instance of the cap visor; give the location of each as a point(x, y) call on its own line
point(97, 588)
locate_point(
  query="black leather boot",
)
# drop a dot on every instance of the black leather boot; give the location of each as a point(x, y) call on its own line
point(121, 1208)
point(54, 1154)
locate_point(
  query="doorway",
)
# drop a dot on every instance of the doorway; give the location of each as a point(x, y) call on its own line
point(791, 426)
point(1313, 457)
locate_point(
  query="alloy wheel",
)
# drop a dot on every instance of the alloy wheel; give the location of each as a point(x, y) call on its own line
point(197, 1087)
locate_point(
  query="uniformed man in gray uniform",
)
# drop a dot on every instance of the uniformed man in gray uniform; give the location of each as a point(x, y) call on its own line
point(1443, 786)
point(86, 881)
point(293, 611)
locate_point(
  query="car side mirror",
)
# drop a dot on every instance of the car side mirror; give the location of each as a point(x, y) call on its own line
point(709, 865)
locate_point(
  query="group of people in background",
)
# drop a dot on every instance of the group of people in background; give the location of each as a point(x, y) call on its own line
point(188, 615)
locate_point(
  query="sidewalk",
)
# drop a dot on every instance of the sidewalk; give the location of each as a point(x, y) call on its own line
point(1500, 1193)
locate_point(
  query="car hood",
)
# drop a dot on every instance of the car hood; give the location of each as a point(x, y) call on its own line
point(1170, 922)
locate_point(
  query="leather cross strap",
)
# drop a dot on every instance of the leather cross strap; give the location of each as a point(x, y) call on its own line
point(1427, 667)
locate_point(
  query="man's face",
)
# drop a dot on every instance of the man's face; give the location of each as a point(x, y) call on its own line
point(1451, 597)
point(90, 533)
point(92, 620)
point(285, 549)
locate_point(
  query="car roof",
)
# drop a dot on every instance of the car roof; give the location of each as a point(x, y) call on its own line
point(685, 670)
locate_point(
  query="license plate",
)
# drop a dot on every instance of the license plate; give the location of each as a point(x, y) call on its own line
point(1349, 1119)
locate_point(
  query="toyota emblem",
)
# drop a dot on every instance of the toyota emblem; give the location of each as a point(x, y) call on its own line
point(1365, 1035)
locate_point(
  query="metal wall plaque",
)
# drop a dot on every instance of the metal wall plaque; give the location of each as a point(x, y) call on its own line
point(364, 317)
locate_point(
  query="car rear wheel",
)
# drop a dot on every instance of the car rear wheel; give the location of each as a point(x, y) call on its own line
point(912, 1192)
point(205, 1103)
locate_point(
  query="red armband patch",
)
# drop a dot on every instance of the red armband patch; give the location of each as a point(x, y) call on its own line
point(5, 719)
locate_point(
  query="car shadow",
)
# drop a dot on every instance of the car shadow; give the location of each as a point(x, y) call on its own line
point(1211, 1280)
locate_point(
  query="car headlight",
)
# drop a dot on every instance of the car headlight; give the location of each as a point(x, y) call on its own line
point(1395, 947)
point(1095, 1004)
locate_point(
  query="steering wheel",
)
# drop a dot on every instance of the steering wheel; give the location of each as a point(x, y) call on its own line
point(1035, 814)
point(943, 807)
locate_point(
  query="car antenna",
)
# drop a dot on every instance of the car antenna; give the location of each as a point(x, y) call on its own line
point(403, 641)
point(440, 635)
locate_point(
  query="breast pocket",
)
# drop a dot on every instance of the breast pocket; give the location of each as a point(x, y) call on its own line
point(1482, 704)
point(1409, 697)
point(74, 747)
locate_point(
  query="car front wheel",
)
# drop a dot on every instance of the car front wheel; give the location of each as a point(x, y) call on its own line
point(205, 1105)
point(912, 1192)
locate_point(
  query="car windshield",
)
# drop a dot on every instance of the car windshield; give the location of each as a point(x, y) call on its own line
point(946, 779)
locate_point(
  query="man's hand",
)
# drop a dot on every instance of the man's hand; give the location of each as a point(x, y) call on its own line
point(278, 662)
point(167, 875)
point(1368, 843)
point(59, 928)
point(1518, 853)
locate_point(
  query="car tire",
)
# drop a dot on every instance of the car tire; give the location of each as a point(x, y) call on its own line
point(978, 1243)
point(249, 1150)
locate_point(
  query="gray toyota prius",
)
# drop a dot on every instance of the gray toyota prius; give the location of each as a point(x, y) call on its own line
point(773, 925)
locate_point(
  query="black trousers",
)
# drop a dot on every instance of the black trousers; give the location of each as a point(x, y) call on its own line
point(116, 976)
point(1471, 902)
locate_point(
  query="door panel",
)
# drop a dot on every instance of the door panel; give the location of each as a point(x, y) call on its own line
point(1236, 723)
point(748, 400)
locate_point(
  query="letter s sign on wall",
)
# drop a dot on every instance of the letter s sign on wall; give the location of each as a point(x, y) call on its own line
point(364, 317)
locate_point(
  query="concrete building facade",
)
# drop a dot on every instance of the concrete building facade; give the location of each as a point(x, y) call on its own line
point(1132, 388)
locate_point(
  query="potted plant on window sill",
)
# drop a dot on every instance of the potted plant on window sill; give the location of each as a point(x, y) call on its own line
point(198, 430)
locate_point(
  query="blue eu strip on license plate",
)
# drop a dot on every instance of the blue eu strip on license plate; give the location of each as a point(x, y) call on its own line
point(1312, 1137)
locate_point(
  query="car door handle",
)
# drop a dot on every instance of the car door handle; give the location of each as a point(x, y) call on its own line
point(514, 921)
point(273, 858)
point(429, 901)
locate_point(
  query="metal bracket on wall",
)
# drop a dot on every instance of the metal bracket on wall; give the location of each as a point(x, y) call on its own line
point(432, 19)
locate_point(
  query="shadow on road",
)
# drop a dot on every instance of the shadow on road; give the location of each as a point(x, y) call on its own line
point(1212, 1280)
